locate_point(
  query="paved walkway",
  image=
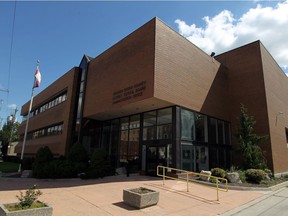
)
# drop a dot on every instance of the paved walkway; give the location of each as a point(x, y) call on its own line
point(75, 197)
point(274, 203)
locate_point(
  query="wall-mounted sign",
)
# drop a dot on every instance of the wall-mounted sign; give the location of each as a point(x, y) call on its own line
point(129, 92)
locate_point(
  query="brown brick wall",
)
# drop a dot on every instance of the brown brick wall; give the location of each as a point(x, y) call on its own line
point(186, 76)
point(276, 86)
point(246, 86)
point(59, 113)
point(126, 64)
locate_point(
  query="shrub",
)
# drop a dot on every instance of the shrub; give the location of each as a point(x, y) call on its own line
point(43, 155)
point(45, 166)
point(99, 158)
point(61, 169)
point(40, 166)
point(41, 170)
point(218, 172)
point(255, 175)
point(233, 169)
point(78, 153)
point(31, 195)
point(100, 165)
point(268, 171)
point(242, 176)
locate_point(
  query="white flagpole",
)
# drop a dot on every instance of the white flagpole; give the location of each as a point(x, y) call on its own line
point(27, 121)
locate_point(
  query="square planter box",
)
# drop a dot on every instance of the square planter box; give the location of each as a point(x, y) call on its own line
point(44, 211)
point(140, 197)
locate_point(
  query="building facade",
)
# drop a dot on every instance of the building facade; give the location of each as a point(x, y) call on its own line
point(155, 98)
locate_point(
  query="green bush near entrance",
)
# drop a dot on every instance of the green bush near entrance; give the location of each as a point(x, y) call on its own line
point(46, 166)
point(218, 172)
point(100, 165)
point(255, 175)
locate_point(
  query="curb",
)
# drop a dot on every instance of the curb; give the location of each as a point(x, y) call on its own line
point(243, 188)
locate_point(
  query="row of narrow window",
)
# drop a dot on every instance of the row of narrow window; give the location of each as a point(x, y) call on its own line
point(49, 131)
point(48, 105)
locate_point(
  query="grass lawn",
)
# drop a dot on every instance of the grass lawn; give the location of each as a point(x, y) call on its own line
point(7, 167)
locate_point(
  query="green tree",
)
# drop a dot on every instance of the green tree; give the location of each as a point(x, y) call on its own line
point(253, 156)
point(9, 131)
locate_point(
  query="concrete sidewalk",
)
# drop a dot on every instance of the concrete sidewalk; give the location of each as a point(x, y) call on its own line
point(273, 203)
point(75, 197)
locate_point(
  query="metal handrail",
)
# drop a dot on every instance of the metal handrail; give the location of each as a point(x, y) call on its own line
point(187, 179)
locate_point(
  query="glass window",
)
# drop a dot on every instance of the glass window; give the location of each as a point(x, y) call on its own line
point(222, 158)
point(213, 157)
point(164, 116)
point(60, 129)
point(124, 123)
point(187, 125)
point(81, 86)
point(56, 101)
point(134, 142)
point(227, 133)
point(134, 122)
point(64, 97)
point(123, 145)
point(149, 123)
point(212, 131)
point(149, 133)
point(169, 155)
point(220, 129)
point(83, 75)
point(150, 119)
point(60, 99)
point(164, 131)
point(200, 127)
point(106, 137)
point(114, 136)
point(79, 105)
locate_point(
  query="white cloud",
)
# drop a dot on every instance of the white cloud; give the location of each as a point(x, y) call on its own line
point(223, 32)
point(12, 106)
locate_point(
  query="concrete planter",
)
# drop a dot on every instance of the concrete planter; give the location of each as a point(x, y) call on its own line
point(45, 211)
point(140, 197)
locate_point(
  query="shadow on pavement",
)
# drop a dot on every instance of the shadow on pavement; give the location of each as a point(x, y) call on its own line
point(125, 206)
point(184, 193)
point(8, 184)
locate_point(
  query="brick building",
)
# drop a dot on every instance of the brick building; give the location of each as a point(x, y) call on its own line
point(155, 98)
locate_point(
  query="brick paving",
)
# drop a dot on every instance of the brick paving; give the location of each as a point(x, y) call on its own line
point(75, 197)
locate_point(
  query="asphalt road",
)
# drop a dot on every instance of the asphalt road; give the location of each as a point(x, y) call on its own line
point(273, 203)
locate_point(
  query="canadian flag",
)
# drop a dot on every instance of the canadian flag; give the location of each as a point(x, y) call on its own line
point(37, 78)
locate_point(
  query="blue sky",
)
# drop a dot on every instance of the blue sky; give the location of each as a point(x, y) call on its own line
point(59, 33)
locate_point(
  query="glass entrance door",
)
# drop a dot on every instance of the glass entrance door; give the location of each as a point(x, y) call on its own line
point(194, 158)
point(155, 155)
point(188, 157)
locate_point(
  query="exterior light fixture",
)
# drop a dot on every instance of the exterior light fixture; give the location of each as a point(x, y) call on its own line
point(279, 113)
